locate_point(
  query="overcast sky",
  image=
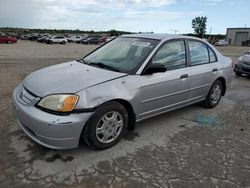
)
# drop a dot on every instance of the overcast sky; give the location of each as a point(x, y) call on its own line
point(159, 16)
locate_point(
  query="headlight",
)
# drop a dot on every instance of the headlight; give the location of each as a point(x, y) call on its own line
point(60, 103)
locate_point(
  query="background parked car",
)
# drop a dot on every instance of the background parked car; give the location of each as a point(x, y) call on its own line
point(11, 34)
point(7, 39)
point(221, 43)
point(57, 39)
point(43, 39)
point(91, 40)
point(243, 65)
point(103, 39)
point(24, 37)
point(46, 39)
point(76, 39)
point(34, 37)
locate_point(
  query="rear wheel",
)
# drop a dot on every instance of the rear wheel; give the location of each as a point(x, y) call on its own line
point(214, 95)
point(107, 126)
point(9, 42)
point(63, 42)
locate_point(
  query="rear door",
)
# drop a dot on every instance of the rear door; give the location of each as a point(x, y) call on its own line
point(204, 68)
point(161, 92)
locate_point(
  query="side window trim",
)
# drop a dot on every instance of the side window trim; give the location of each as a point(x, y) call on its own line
point(209, 58)
point(164, 43)
point(210, 49)
point(188, 59)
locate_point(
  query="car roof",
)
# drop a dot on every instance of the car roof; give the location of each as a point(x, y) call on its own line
point(159, 36)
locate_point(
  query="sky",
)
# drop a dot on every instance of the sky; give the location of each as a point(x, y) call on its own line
point(159, 16)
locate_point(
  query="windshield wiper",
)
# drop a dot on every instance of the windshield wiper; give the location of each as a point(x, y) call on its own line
point(102, 65)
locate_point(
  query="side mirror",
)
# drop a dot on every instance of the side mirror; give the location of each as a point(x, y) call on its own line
point(154, 68)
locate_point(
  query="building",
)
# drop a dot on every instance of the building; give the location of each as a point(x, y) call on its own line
point(235, 36)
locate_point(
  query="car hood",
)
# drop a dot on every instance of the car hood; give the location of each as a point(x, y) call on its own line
point(68, 77)
point(245, 58)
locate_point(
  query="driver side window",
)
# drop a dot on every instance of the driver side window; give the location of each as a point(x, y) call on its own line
point(172, 55)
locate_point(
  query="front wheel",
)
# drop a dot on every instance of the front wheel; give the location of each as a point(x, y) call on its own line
point(107, 126)
point(214, 95)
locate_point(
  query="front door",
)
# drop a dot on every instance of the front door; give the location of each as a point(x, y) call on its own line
point(161, 92)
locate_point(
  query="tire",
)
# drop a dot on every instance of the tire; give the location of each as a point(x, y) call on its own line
point(63, 42)
point(214, 95)
point(9, 42)
point(112, 121)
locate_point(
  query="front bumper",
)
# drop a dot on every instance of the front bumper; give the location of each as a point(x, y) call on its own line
point(242, 68)
point(49, 130)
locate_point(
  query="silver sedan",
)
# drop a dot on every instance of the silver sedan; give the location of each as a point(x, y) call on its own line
point(98, 98)
point(243, 65)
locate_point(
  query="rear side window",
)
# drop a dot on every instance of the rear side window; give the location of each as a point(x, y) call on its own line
point(212, 56)
point(198, 53)
point(172, 55)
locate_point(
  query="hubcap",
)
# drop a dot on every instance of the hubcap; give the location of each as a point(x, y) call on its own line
point(109, 127)
point(216, 94)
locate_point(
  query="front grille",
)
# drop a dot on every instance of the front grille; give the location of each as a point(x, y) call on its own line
point(247, 63)
point(25, 96)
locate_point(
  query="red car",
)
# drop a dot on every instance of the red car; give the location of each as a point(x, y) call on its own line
point(7, 39)
point(103, 40)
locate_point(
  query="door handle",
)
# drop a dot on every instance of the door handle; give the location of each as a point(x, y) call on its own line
point(183, 76)
point(214, 70)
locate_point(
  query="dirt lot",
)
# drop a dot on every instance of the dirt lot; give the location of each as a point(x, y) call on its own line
point(190, 147)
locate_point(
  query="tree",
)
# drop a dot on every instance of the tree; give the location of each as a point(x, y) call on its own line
point(113, 32)
point(199, 24)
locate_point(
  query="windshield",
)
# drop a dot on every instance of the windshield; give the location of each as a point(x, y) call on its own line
point(121, 54)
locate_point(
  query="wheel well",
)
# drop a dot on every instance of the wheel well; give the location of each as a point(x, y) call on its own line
point(130, 110)
point(223, 81)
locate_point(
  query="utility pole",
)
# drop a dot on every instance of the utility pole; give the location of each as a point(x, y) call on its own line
point(175, 31)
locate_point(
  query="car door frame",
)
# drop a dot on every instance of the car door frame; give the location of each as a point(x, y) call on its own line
point(198, 88)
point(169, 107)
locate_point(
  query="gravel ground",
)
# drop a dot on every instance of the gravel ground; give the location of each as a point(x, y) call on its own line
point(189, 147)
